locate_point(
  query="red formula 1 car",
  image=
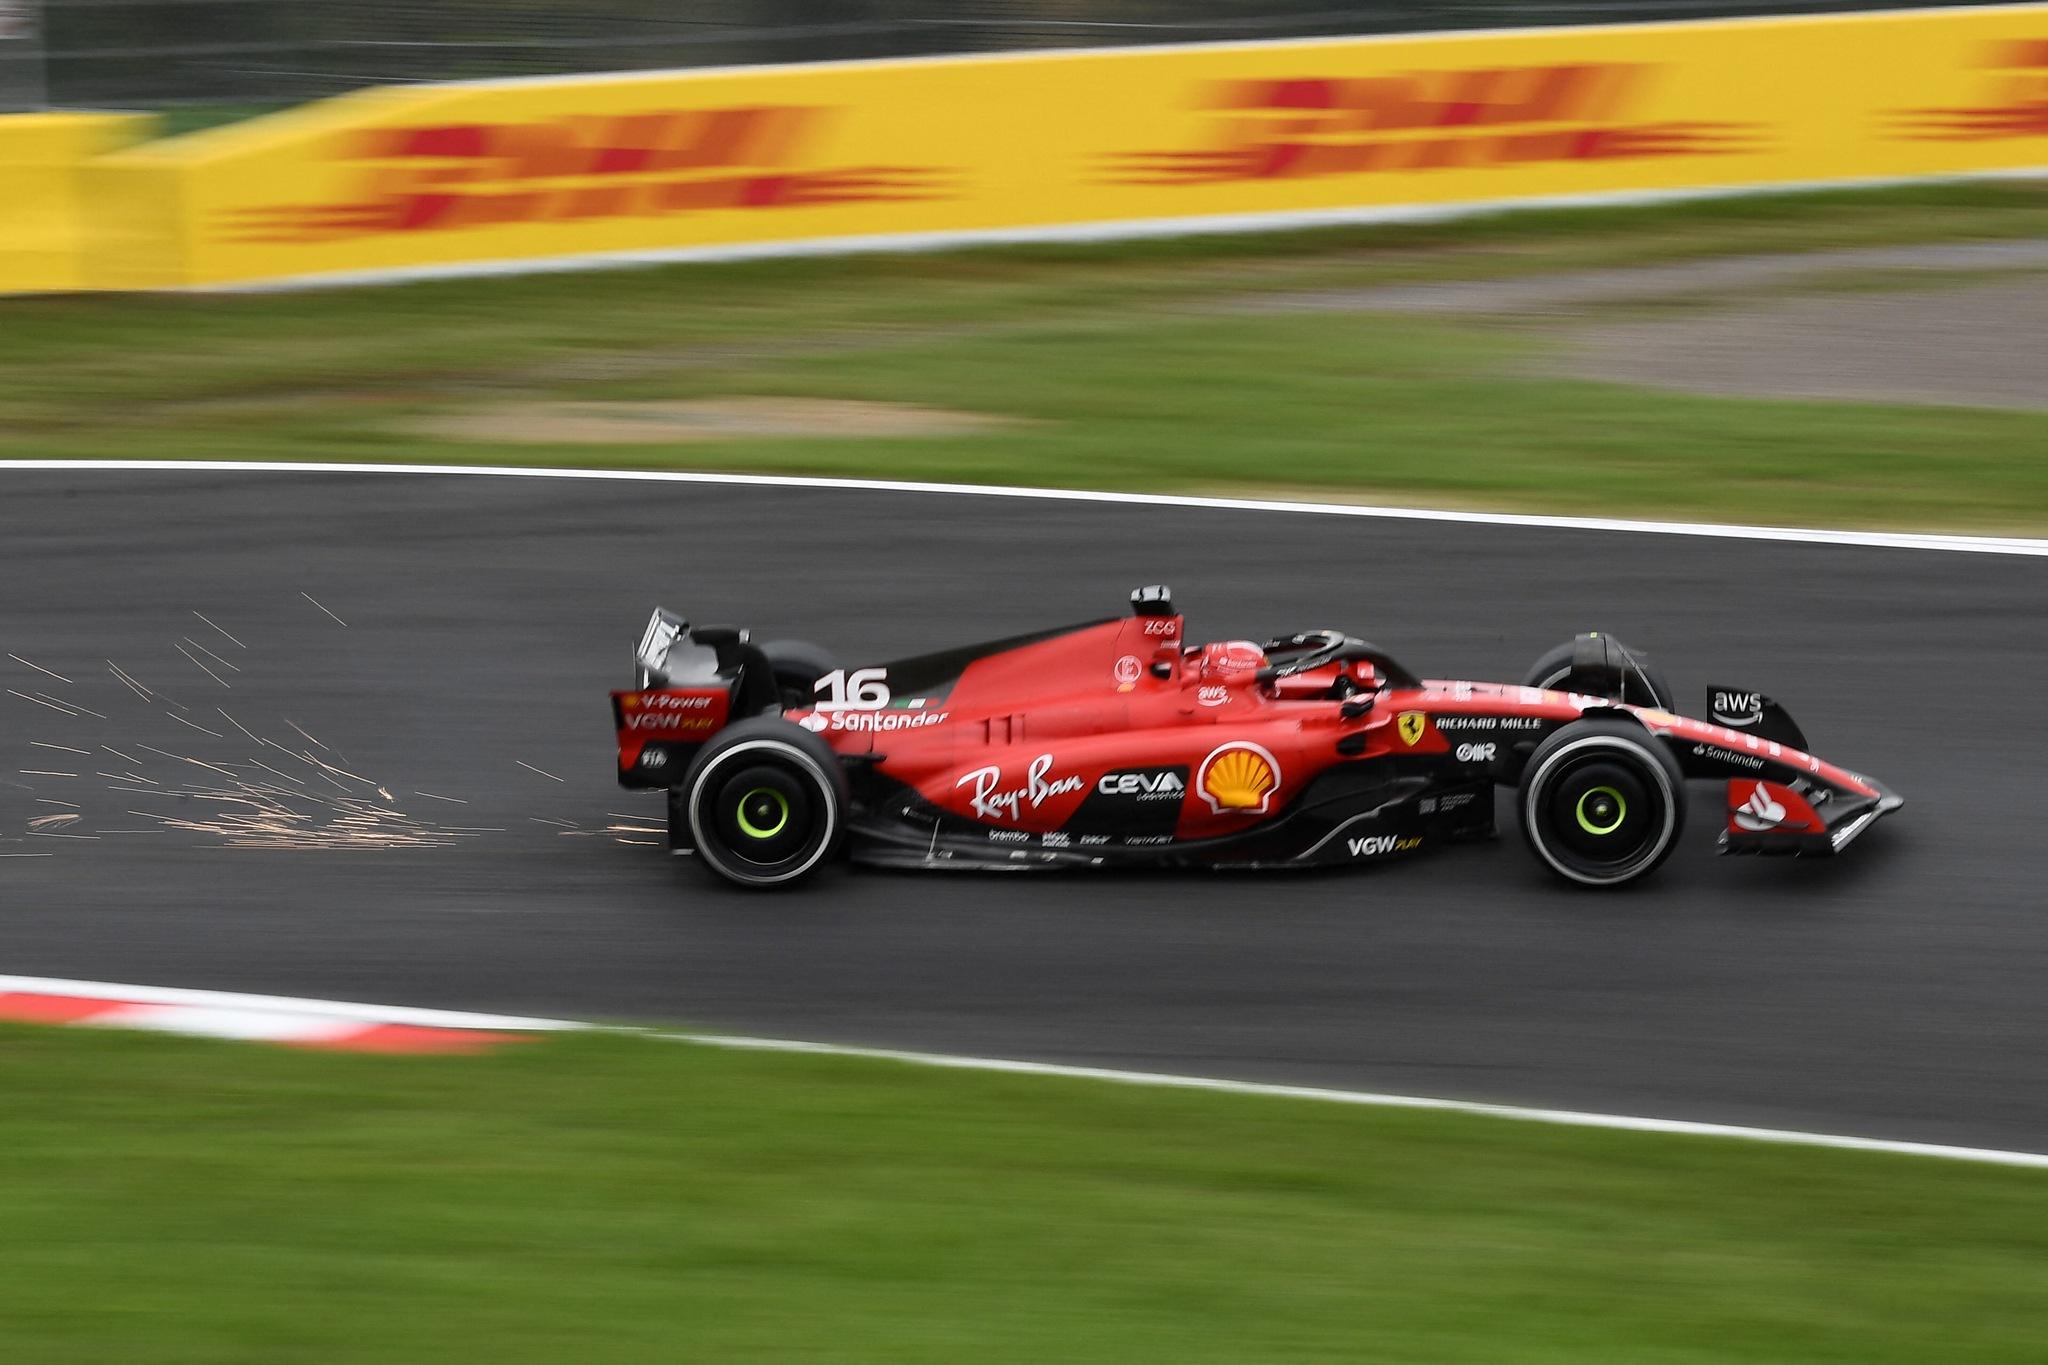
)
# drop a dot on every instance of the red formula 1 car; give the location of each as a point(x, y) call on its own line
point(1117, 744)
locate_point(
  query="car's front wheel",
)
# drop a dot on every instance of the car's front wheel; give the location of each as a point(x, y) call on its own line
point(1602, 803)
point(1642, 683)
point(765, 803)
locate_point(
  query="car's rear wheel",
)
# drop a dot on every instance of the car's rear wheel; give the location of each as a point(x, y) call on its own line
point(798, 665)
point(766, 803)
point(1602, 803)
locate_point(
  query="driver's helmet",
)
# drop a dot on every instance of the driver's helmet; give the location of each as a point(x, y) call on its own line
point(1230, 663)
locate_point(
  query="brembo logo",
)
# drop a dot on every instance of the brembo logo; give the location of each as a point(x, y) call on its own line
point(1424, 121)
point(656, 163)
point(1738, 708)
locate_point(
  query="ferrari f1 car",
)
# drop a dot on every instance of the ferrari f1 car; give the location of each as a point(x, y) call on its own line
point(1116, 743)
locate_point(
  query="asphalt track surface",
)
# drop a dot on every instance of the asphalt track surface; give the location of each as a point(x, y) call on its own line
point(1896, 992)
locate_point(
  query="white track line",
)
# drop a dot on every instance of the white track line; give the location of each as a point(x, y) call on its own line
point(455, 1019)
point(1886, 540)
point(1565, 1117)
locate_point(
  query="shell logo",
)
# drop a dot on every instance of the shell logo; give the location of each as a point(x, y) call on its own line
point(1239, 778)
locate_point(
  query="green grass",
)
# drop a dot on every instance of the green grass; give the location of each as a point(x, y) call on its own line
point(610, 1198)
point(1128, 361)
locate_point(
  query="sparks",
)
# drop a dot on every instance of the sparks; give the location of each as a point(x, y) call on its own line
point(211, 655)
point(137, 688)
point(53, 705)
point(337, 620)
point(308, 738)
point(75, 707)
point(202, 667)
point(182, 759)
point(275, 773)
point(209, 621)
point(542, 771)
point(195, 725)
point(38, 668)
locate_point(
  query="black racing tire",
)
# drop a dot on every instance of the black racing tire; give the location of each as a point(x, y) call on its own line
point(1552, 668)
point(798, 665)
point(766, 803)
point(1602, 802)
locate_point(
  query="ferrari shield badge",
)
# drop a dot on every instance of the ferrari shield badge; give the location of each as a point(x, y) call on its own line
point(1410, 724)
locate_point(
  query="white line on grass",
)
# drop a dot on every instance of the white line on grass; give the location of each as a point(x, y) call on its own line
point(1563, 1117)
point(391, 1014)
point(1887, 540)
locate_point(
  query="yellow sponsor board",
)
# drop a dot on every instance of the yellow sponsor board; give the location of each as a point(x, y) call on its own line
point(42, 166)
point(816, 157)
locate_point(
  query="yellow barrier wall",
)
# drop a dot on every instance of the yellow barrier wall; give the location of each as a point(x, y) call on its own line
point(42, 223)
point(1170, 139)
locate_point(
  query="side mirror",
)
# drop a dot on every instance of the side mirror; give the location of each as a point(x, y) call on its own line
point(1353, 707)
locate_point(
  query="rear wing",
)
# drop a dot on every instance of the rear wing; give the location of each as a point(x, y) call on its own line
point(689, 683)
point(664, 629)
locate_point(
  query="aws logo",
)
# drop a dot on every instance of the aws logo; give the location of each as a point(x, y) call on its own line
point(1239, 778)
point(1424, 121)
point(2018, 89)
point(589, 166)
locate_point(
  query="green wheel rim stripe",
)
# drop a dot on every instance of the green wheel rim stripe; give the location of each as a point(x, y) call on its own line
point(754, 831)
point(1586, 822)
